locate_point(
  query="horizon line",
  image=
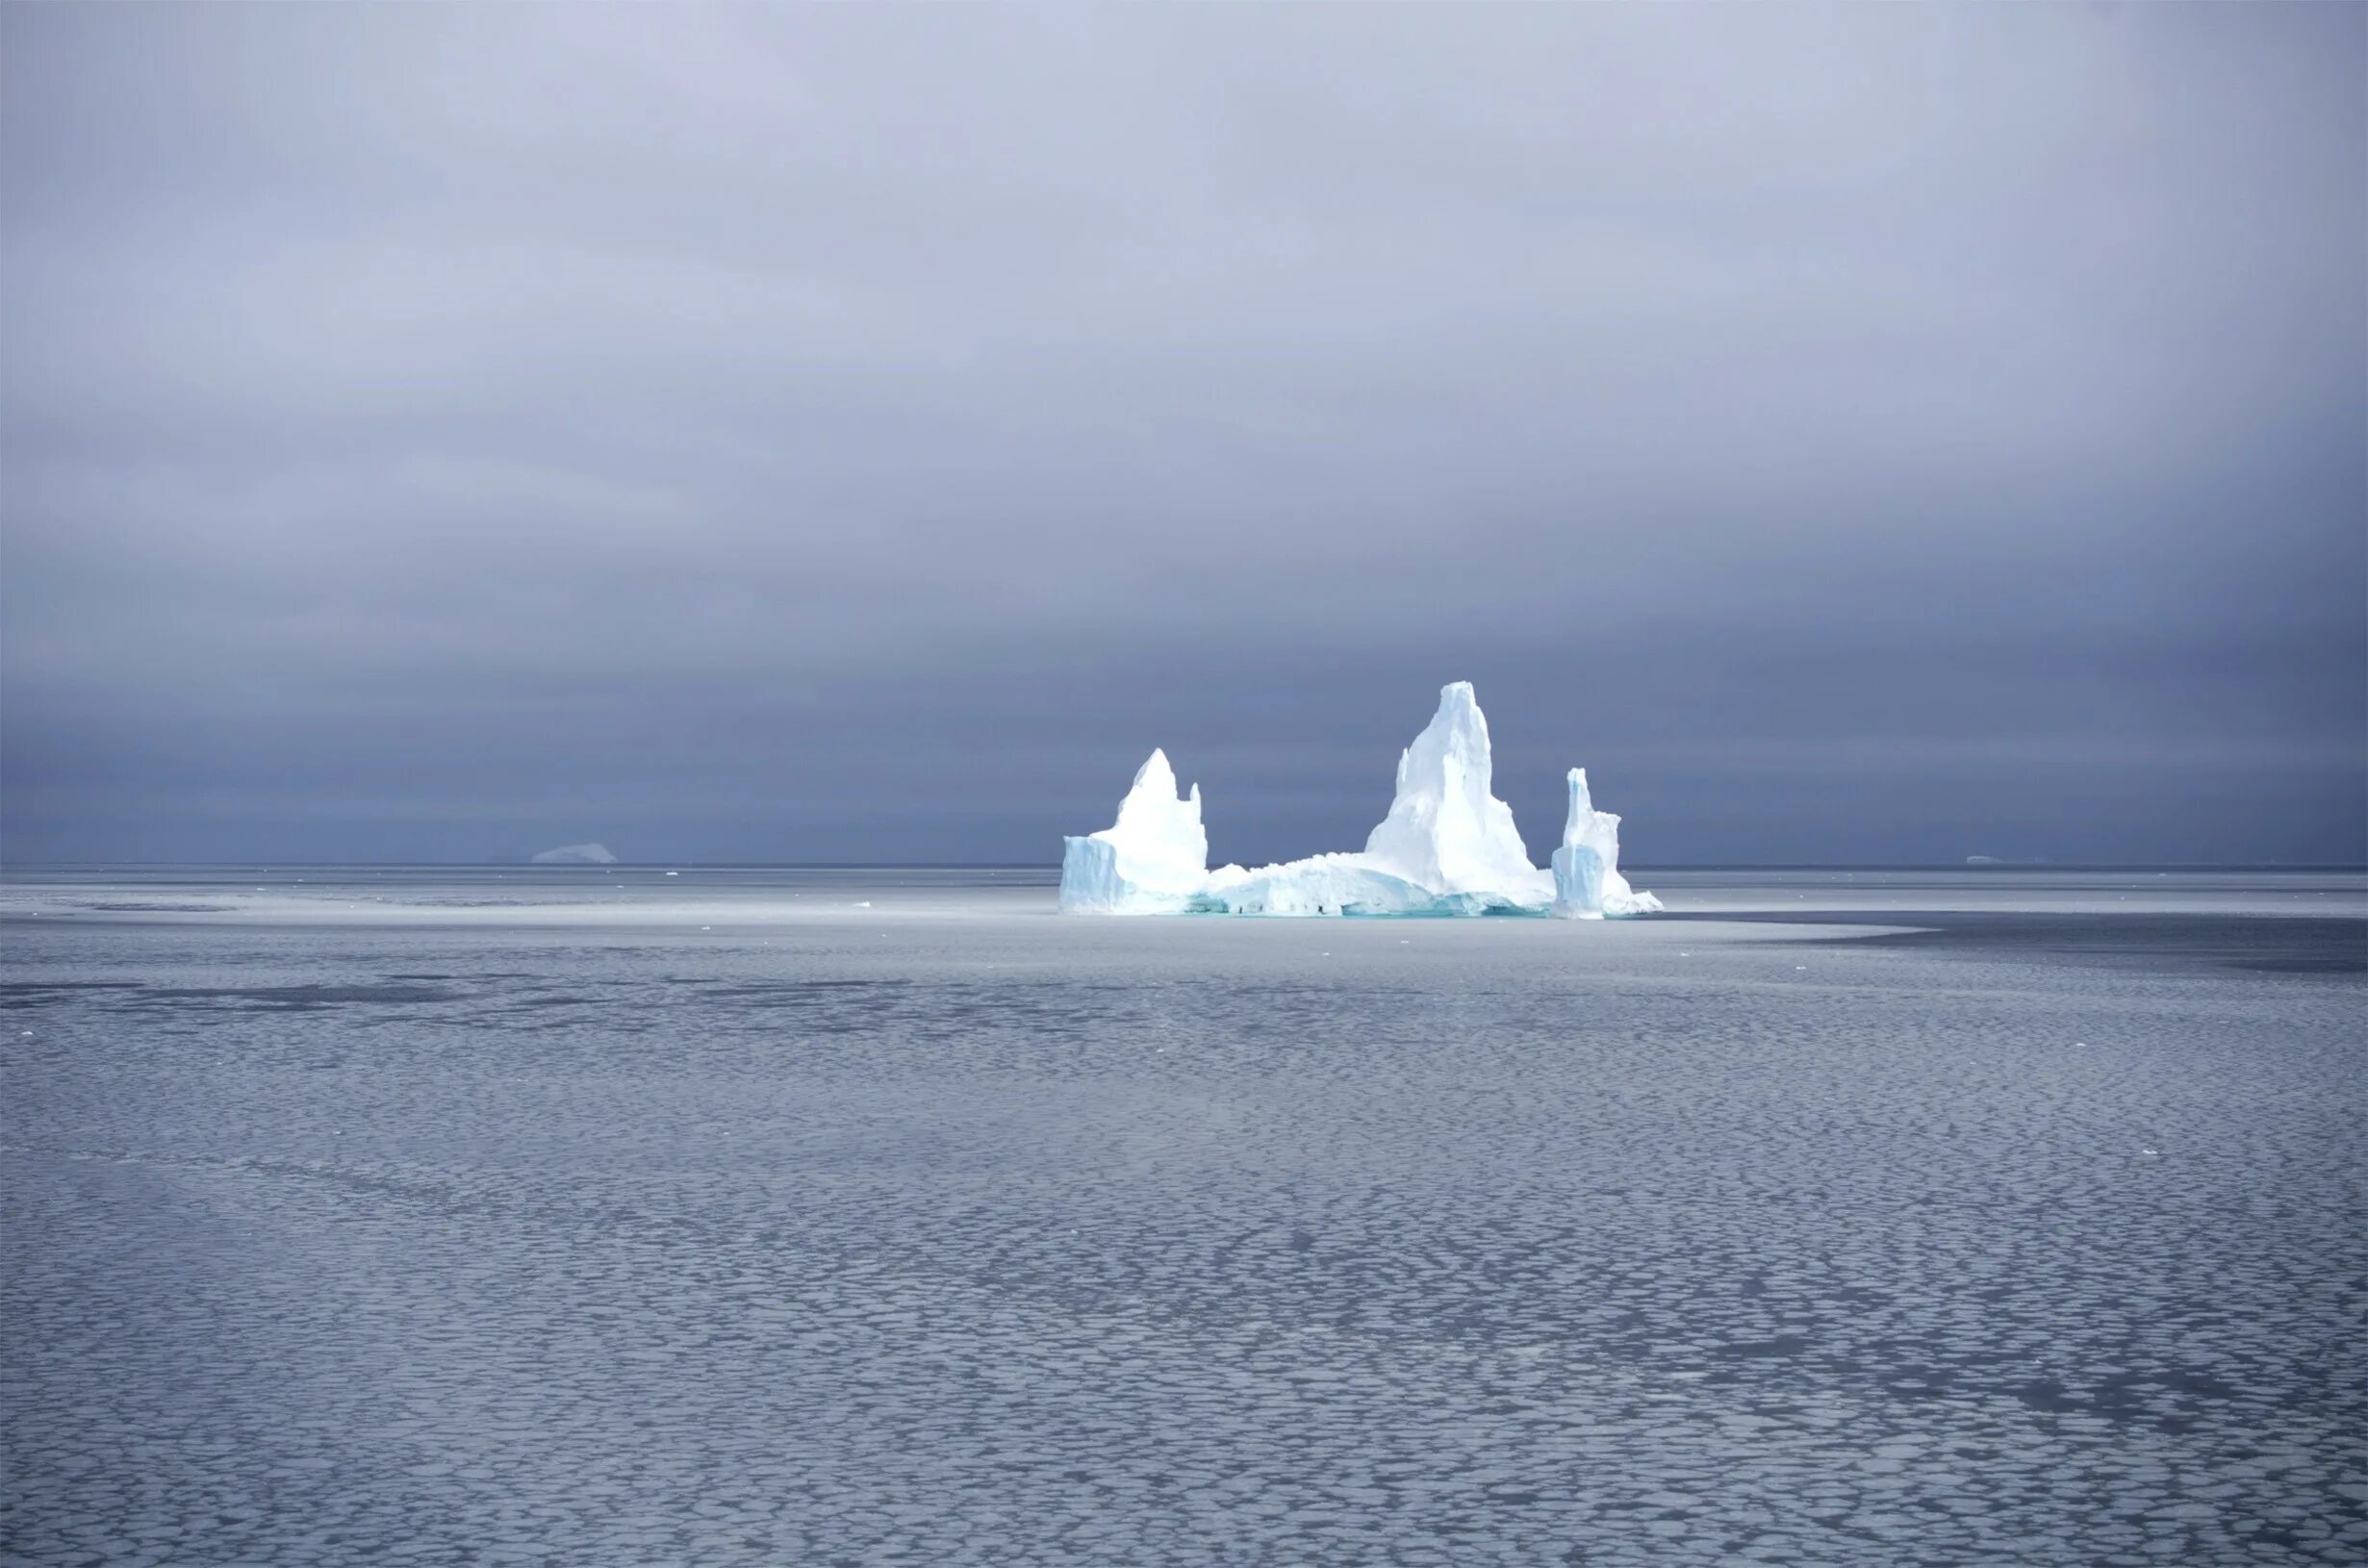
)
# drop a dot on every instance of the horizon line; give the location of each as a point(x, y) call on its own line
point(1985, 865)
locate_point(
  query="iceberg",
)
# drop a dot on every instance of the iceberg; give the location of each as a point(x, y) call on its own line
point(1587, 880)
point(577, 854)
point(1447, 847)
point(1149, 862)
point(1446, 830)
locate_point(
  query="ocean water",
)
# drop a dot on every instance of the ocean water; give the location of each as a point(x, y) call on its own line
point(599, 1216)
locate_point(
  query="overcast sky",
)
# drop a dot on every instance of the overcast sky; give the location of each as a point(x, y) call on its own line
point(1872, 434)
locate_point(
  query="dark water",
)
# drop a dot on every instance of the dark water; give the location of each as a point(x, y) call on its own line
point(603, 1218)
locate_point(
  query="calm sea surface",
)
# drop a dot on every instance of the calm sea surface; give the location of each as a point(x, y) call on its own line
point(601, 1216)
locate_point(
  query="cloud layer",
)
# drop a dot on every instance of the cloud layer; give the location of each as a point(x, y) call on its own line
point(756, 433)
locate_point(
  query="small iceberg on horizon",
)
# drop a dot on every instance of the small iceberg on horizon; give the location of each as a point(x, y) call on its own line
point(576, 854)
point(1447, 847)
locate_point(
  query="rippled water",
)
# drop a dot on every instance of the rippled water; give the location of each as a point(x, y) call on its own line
point(604, 1217)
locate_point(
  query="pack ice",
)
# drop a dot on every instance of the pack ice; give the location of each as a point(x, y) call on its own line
point(1448, 846)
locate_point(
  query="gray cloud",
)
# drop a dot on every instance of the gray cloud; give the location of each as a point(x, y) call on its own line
point(1862, 433)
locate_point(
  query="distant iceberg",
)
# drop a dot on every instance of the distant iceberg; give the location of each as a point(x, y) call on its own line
point(1448, 846)
point(577, 854)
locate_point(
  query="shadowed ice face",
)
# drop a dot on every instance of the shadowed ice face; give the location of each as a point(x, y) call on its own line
point(746, 433)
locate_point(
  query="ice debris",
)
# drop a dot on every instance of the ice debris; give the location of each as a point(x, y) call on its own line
point(1448, 846)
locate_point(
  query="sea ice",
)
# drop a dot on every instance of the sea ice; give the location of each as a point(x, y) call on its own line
point(1447, 847)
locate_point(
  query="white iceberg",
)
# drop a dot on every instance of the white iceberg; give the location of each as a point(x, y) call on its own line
point(1448, 846)
point(1446, 830)
point(577, 854)
point(1587, 880)
point(1150, 862)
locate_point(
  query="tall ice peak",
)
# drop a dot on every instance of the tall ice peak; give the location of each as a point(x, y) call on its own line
point(1446, 829)
point(1582, 807)
point(1150, 860)
point(1587, 880)
point(1153, 804)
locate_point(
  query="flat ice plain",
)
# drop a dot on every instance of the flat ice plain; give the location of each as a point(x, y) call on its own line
point(599, 1216)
